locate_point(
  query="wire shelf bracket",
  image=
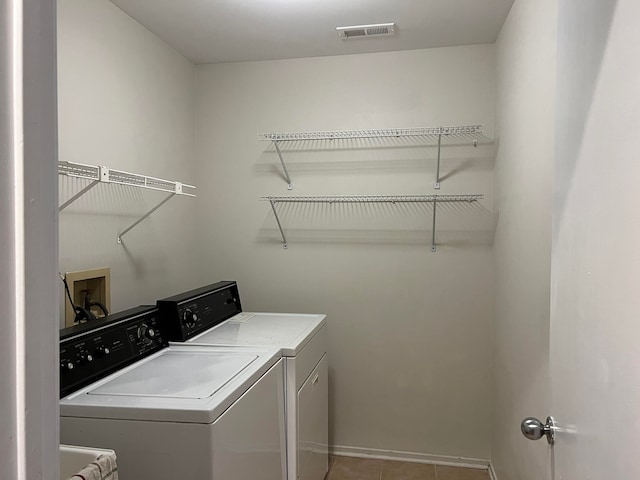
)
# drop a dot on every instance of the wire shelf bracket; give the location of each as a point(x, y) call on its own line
point(101, 174)
point(284, 166)
point(137, 222)
point(433, 199)
point(472, 134)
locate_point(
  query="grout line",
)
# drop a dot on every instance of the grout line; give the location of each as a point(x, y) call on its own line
point(435, 469)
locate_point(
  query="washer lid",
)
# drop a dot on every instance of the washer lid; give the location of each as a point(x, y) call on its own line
point(289, 331)
point(178, 374)
point(182, 383)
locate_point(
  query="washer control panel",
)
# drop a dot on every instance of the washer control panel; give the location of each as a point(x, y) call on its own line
point(93, 350)
point(186, 315)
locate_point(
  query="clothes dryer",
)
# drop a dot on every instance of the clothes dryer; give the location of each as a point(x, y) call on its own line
point(212, 315)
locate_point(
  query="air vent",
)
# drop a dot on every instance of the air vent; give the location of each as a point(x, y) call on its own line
point(360, 31)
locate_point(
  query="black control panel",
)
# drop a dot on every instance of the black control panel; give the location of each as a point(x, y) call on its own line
point(188, 314)
point(93, 350)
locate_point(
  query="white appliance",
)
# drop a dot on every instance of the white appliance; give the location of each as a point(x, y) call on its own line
point(211, 413)
point(303, 340)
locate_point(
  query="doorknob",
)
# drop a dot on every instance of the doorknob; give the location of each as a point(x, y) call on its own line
point(534, 429)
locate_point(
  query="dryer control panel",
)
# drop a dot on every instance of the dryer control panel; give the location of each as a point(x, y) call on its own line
point(186, 315)
point(93, 350)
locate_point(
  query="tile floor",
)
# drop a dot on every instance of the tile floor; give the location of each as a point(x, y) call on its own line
point(350, 468)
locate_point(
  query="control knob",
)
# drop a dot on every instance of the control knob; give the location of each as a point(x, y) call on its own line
point(84, 357)
point(189, 318)
point(66, 365)
point(146, 334)
point(102, 351)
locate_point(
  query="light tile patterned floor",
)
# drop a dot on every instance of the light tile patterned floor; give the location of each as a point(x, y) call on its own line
point(350, 468)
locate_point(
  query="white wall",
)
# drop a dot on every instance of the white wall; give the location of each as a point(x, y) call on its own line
point(525, 87)
point(126, 100)
point(409, 330)
point(28, 260)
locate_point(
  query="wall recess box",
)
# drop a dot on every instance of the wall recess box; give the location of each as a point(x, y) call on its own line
point(96, 283)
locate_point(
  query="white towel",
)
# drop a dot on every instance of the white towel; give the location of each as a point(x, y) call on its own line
point(103, 468)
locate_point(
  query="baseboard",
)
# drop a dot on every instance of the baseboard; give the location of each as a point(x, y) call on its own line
point(411, 457)
point(492, 472)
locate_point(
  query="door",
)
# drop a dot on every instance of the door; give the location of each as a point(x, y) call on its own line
point(313, 421)
point(595, 279)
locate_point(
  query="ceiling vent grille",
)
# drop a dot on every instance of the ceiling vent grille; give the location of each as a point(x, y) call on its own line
point(361, 31)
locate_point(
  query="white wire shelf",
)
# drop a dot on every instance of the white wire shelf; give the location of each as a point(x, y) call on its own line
point(375, 199)
point(101, 174)
point(377, 133)
point(460, 134)
point(433, 199)
point(111, 175)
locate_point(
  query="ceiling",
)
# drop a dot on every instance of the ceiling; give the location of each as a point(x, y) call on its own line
point(214, 31)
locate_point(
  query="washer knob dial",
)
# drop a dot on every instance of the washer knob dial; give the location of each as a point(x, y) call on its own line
point(67, 365)
point(146, 334)
point(84, 358)
point(102, 351)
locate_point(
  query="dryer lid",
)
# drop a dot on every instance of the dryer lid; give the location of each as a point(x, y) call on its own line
point(289, 331)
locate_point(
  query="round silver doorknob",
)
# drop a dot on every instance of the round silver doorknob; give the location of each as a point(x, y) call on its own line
point(534, 429)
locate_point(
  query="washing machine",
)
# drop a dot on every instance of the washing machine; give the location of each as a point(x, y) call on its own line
point(172, 411)
point(212, 315)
